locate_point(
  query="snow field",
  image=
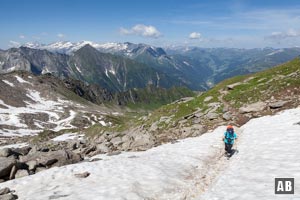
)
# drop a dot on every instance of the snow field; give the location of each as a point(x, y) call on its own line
point(268, 148)
point(9, 115)
point(165, 172)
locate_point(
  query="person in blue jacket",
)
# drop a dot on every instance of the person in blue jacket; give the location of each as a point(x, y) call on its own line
point(229, 137)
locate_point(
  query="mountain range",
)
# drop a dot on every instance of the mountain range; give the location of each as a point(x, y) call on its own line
point(124, 66)
point(112, 72)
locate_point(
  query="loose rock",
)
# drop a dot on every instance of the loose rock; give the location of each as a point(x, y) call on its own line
point(82, 175)
point(277, 104)
point(6, 165)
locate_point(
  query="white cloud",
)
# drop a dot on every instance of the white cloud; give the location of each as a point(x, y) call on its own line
point(141, 30)
point(14, 44)
point(195, 35)
point(60, 35)
point(22, 36)
point(291, 33)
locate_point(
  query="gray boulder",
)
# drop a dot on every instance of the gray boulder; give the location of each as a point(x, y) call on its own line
point(277, 104)
point(102, 148)
point(21, 151)
point(197, 121)
point(254, 107)
point(82, 175)
point(32, 164)
point(13, 172)
point(212, 115)
point(5, 152)
point(6, 165)
point(116, 141)
point(89, 149)
point(21, 173)
point(59, 158)
point(232, 86)
point(227, 116)
point(208, 98)
point(142, 141)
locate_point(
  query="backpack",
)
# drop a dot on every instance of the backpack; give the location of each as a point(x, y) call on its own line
point(229, 136)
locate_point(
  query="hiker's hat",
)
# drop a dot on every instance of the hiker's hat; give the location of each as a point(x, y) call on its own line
point(229, 127)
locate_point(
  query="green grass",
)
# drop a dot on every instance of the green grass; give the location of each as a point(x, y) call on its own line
point(264, 84)
point(119, 124)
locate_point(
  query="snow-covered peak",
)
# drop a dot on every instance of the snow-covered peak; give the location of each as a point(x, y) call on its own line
point(127, 48)
point(113, 45)
point(275, 52)
point(61, 46)
point(68, 47)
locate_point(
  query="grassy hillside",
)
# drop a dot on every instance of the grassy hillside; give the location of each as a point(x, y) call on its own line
point(151, 97)
point(280, 82)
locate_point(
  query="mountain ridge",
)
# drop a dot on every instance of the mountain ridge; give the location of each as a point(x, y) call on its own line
point(121, 65)
point(114, 72)
point(199, 68)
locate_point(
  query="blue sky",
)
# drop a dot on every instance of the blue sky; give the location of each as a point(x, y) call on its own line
point(226, 23)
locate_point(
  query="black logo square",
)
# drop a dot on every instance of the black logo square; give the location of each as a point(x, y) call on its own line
point(284, 186)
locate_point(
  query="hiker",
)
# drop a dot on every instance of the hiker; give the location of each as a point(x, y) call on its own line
point(229, 137)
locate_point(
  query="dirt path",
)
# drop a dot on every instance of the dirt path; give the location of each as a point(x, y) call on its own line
point(237, 118)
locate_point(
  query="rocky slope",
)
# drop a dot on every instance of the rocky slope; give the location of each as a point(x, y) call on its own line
point(30, 104)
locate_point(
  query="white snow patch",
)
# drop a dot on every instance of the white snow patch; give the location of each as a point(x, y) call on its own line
point(112, 71)
point(38, 125)
point(8, 83)
point(68, 136)
point(65, 123)
point(275, 52)
point(113, 46)
point(11, 69)
point(102, 123)
point(9, 115)
point(21, 80)
point(78, 69)
point(18, 145)
point(18, 132)
point(185, 62)
point(45, 70)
